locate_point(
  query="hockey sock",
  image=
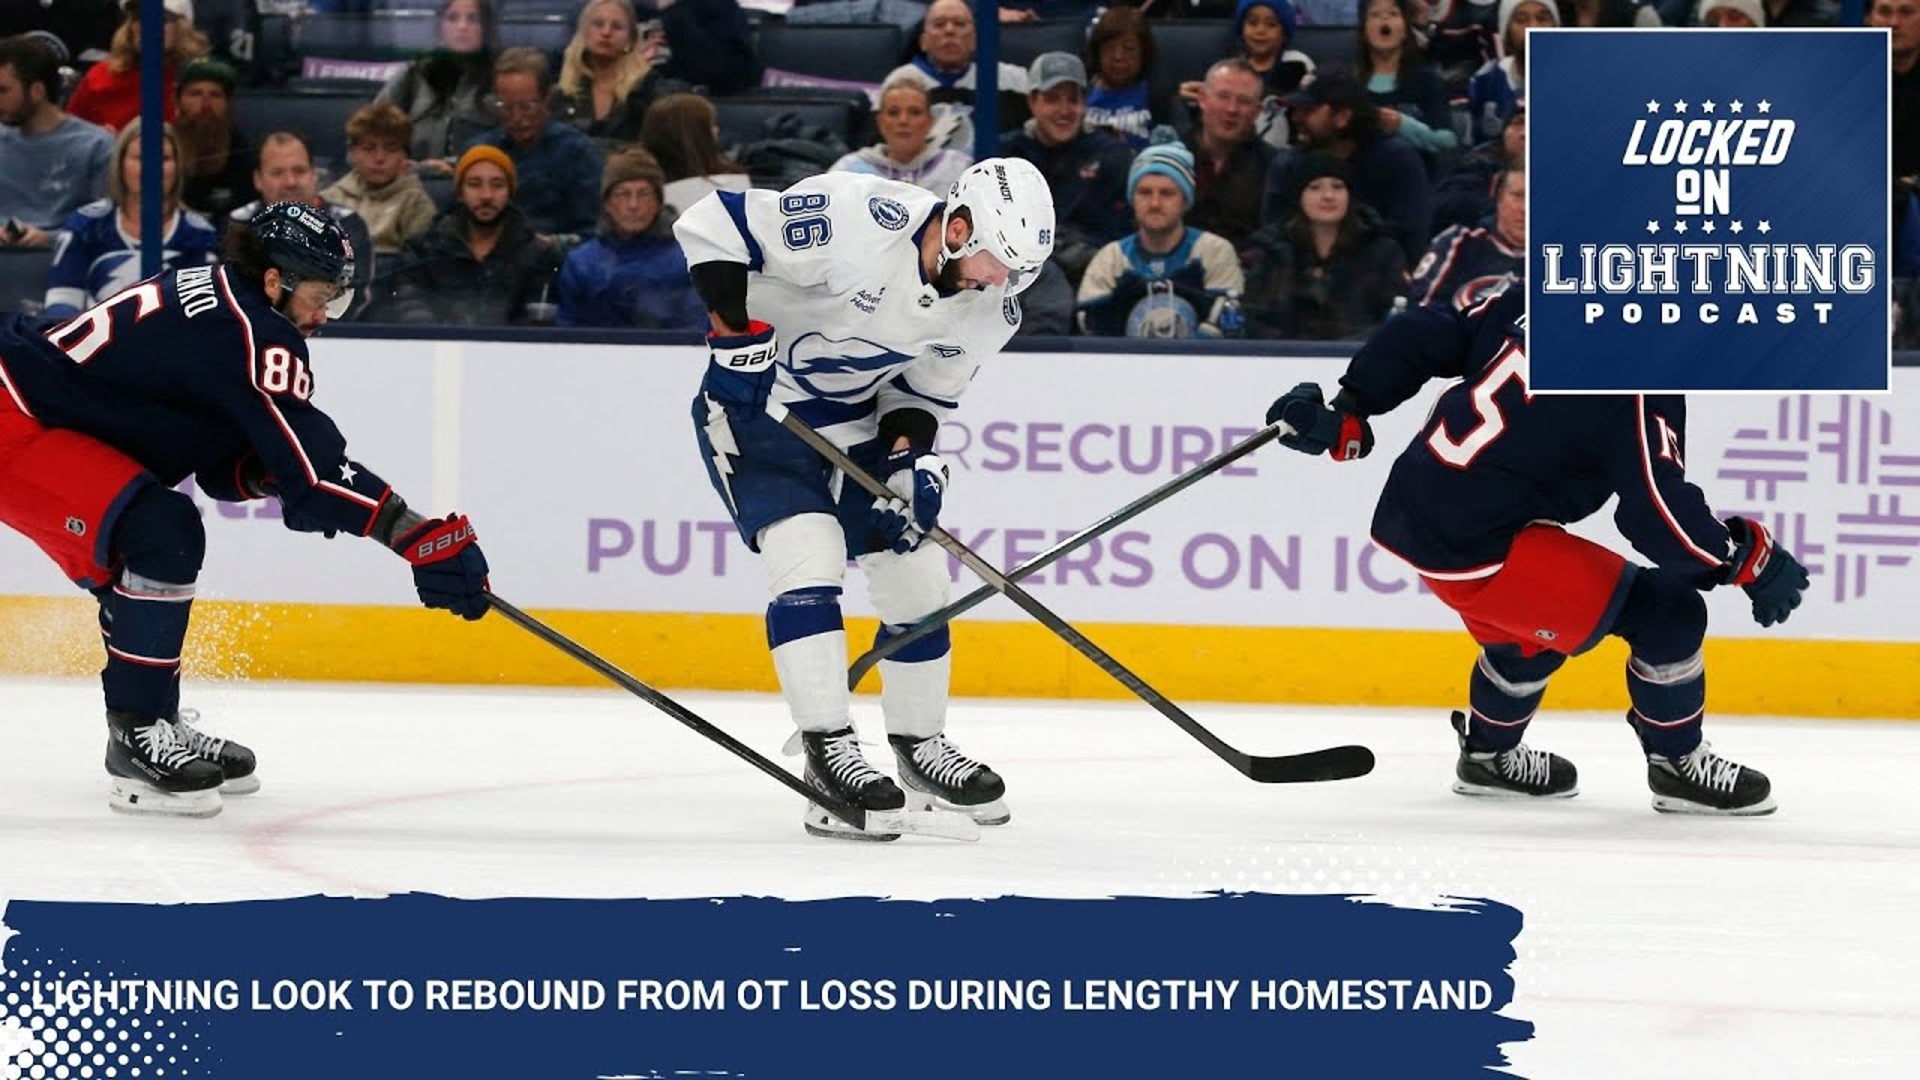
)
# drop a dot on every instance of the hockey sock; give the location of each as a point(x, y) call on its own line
point(1665, 622)
point(914, 683)
point(1504, 693)
point(809, 643)
point(160, 543)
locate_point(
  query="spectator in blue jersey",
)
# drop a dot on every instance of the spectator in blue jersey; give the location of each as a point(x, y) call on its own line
point(559, 167)
point(1331, 270)
point(219, 159)
point(51, 164)
point(444, 93)
point(1466, 261)
point(1120, 53)
point(1413, 103)
point(904, 116)
point(285, 173)
point(632, 273)
point(1167, 279)
point(945, 67)
point(1466, 195)
point(480, 264)
point(1334, 114)
point(100, 253)
point(1086, 170)
point(1501, 86)
point(1231, 161)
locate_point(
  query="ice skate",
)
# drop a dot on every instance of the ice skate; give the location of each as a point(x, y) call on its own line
point(236, 761)
point(836, 766)
point(1519, 773)
point(1703, 782)
point(939, 777)
point(154, 771)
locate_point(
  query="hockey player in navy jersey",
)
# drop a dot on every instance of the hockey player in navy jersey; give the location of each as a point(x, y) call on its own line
point(885, 300)
point(1476, 503)
point(201, 372)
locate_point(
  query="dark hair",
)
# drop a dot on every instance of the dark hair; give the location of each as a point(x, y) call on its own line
point(244, 256)
point(489, 23)
point(678, 132)
point(1411, 53)
point(33, 61)
point(1119, 22)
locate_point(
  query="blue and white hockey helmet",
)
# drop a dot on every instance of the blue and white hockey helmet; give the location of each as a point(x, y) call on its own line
point(1011, 208)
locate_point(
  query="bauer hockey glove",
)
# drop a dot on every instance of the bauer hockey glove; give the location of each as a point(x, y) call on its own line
point(919, 484)
point(1318, 428)
point(742, 368)
point(1772, 577)
point(448, 569)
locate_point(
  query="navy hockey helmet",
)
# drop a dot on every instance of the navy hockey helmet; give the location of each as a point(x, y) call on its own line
point(306, 244)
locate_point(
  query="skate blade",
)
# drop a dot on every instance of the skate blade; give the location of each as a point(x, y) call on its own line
point(132, 797)
point(883, 825)
point(241, 785)
point(1478, 791)
point(1669, 804)
point(989, 814)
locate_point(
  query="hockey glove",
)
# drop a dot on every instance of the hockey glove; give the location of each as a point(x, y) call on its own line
point(919, 484)
point(742, 368)
point(1334, 430)
point(1772, 577)
point(448, 569)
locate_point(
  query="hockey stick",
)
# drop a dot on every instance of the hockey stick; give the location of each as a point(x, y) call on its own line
point(1335, 763)
point(914, 821)
point(1047, 558)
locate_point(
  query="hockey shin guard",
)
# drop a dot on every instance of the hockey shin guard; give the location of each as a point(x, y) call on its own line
point(1665, 622)
point(160, 543)
point(809, 643)
point(1504, 693)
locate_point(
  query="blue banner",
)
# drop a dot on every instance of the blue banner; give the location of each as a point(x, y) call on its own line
point(1708, 210)
point(1223, 985)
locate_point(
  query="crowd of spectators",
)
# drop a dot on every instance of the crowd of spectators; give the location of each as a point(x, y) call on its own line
point(1276, 194)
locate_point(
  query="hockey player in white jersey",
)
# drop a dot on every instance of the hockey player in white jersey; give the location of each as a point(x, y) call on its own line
point(864, 306)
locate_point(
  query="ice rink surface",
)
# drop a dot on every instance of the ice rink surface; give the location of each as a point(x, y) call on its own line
point(1654, 945)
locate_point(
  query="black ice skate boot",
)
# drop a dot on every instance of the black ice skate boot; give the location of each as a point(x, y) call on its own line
point(236, 762)
point(946, 779)
point(836, 766)
point(1703, 782)
point(1519, 773)
point(154, 772)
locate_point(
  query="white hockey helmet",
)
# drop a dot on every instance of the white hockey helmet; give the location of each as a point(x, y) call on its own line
point(1011, 210)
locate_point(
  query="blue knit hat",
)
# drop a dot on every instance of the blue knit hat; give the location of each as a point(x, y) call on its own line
point(1282, 10)
point(1171, 160)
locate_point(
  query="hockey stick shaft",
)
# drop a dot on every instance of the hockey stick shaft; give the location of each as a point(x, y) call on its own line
point(1337, 763)
point(1025, 570)
point(852, 815)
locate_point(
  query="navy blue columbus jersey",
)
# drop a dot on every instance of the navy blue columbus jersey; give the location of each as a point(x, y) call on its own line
point(1493, 457)
point(190, 374)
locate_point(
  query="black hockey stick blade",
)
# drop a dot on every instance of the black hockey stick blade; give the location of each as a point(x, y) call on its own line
point(1333, 763)
point(1045, 616)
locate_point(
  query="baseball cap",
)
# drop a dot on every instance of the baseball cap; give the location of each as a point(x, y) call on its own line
point(1053, 68)
point(1336, 88)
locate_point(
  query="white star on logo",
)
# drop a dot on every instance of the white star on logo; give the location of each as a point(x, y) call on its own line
point(1766, 106)
point(1736, 227)
point(1766, 226)
point(346, 472)
point(1736, 106)
point(1679, 106)
point(1706, 106)
point(1679, 226)
point(1706, 226)
point(1653, 106)
point(1653, 226)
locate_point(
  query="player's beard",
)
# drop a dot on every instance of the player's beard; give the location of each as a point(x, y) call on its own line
point(947, 280)
point(206, 141)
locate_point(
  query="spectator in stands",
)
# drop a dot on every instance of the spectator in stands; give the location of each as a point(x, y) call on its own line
point(480, 264)
point(1333, 113)
point(285, 174)
point(388, 197)
point(101, 255)
point(1121, 55)
point(1609, 14)
point(945, 67)
point(559, 166)
point(1499, 87)
point(682, 134)
point(51, 164)
point(1232, 161)
point(109, 94)
point(1459, 38)
point(1407, 89)
point(1086, 170)
point(445, 92)
point(80, 26)
point(905, 119)
point(1902, 19)
point(632, 273)
point(712, 45)
point(1266, 26)
point(607, 77)
point(1466, 260)
point(1330, 270)
point(1466, 195)
point(219, 159)
point(1730, 14)
point(1166, 279)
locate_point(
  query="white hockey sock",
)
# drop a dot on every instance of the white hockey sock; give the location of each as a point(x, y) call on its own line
point(914, 695)
point(813, 676)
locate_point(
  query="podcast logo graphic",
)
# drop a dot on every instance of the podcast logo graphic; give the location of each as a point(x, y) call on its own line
point(1714, 217)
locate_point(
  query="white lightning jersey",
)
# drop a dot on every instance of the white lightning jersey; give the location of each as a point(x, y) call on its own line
point(834, 266)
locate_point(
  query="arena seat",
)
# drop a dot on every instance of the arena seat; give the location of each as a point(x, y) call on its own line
point(1330, 46)
point(859, 53)
point(744, 119)
point(1186, 48)
point(321, 118)
point(23, 278)
point(1021, 42)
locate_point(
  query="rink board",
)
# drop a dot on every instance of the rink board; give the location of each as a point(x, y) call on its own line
point(578, 465)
